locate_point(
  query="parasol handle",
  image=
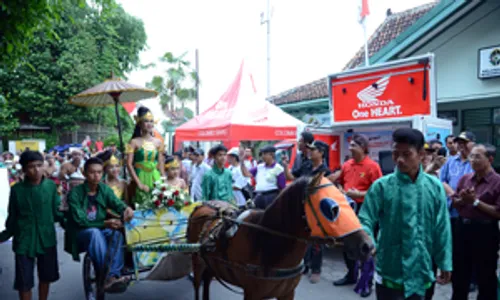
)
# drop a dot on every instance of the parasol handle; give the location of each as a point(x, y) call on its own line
point(116, 98)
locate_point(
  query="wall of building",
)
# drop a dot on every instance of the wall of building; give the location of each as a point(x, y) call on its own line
point(463, 107)
point(460, 92)
point(456, 52)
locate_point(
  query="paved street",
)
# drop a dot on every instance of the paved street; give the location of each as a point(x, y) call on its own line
point(70, 285)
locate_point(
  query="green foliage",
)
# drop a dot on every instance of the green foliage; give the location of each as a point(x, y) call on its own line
point(175, 85)
point(20, 20)
point(188, 114)
point(8, 122)
point(107, 117)
point(116, 139)
point(91, 44)
point(169, 126)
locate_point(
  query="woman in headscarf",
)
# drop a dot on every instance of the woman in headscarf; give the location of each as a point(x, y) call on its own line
point(145, 156)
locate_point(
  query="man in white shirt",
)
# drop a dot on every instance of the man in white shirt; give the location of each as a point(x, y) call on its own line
point(186, 158)
point(239, 181)
point(198, 169)
point(269, 178)
point(249, 162)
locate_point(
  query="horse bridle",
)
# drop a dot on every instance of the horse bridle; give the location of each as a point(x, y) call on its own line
point(315, 214)
point(278, 233)
point(326, 239)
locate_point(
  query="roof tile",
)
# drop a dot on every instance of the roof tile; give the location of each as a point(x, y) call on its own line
point(391, 28)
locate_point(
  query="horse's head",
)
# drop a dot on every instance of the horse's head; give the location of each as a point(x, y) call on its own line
point(329, 214)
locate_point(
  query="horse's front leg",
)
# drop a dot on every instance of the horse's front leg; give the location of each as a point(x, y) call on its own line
point(198, 269)
point(207, 279)
point(289, 296)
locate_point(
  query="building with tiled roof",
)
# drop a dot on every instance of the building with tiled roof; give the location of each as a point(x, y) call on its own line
point(390, 29)
point(464, 38)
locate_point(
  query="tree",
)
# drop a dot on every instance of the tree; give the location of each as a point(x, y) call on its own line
point(91, 44)
point(187, 115)
point(8, 122)
point(174, 86)
point(20, 19)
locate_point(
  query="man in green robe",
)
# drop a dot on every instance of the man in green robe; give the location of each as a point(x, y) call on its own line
point(411, 209)
point(33, 209)
point(88, 229)
point(217, 183)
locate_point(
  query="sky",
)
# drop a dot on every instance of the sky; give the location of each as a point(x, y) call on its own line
point(308, 39)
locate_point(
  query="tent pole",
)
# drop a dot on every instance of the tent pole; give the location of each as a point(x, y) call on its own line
point(116, 98)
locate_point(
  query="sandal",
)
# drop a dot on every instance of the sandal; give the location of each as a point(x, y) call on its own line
point(115, 285)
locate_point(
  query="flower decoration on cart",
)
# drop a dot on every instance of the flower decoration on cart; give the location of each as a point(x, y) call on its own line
point(165, 195)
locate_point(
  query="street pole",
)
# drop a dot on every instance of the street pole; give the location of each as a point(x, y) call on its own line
point(367, 56)
point(267, 21)
point(197, 69)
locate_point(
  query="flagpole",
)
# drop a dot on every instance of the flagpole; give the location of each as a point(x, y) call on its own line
point(267, 20)
point(367, 58)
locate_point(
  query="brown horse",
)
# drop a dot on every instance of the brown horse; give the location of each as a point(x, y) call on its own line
point(263, 256)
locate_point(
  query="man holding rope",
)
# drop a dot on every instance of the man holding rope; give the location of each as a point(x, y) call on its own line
point(356, 177)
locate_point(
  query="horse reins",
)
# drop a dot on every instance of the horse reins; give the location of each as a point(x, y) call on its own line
point(220, 215)
point(285, 235)
point(314, 211)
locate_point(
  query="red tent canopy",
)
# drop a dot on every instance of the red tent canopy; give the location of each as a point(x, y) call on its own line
point(238, 115)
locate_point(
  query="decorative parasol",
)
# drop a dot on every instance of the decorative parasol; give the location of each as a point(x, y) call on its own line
point(113, 91)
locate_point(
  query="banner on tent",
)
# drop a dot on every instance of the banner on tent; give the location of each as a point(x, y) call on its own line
point(213, 133)
point(285, 133)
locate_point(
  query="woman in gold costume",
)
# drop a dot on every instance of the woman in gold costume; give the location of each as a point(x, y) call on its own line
point(172, 167)
point(112, 175)
point(145, 156)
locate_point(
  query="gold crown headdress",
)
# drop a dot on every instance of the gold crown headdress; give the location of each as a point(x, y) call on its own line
point(172, 164)
point(147, 117)
point(112, 161)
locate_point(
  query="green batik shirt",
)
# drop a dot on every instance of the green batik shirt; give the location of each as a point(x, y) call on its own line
point(217, 184)
point(33, 210)
point(414, 229)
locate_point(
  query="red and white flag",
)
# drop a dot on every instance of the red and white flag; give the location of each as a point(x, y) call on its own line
point(364, 11)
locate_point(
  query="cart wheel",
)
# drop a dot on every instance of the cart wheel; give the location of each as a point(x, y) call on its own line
point(93, 284)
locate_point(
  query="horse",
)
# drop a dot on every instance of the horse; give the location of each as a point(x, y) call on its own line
point(262, 251)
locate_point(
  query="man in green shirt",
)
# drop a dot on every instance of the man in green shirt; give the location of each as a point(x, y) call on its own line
point(217, 183)
point(33, 210)
point(88, 230)
point(411, 209)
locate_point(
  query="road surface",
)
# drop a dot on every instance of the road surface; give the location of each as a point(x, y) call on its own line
point(70, 285)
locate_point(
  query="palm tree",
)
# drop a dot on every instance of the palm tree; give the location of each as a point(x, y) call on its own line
point(171, 88)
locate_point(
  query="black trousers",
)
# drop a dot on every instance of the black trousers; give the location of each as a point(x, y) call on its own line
point(385, 293)
point(430, 292)
point(264, 199)
point(475, 247)
point(314, 258)
point(350, 263)
point(47, 267)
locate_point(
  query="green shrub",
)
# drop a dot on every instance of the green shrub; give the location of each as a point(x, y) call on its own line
point(116, 140)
